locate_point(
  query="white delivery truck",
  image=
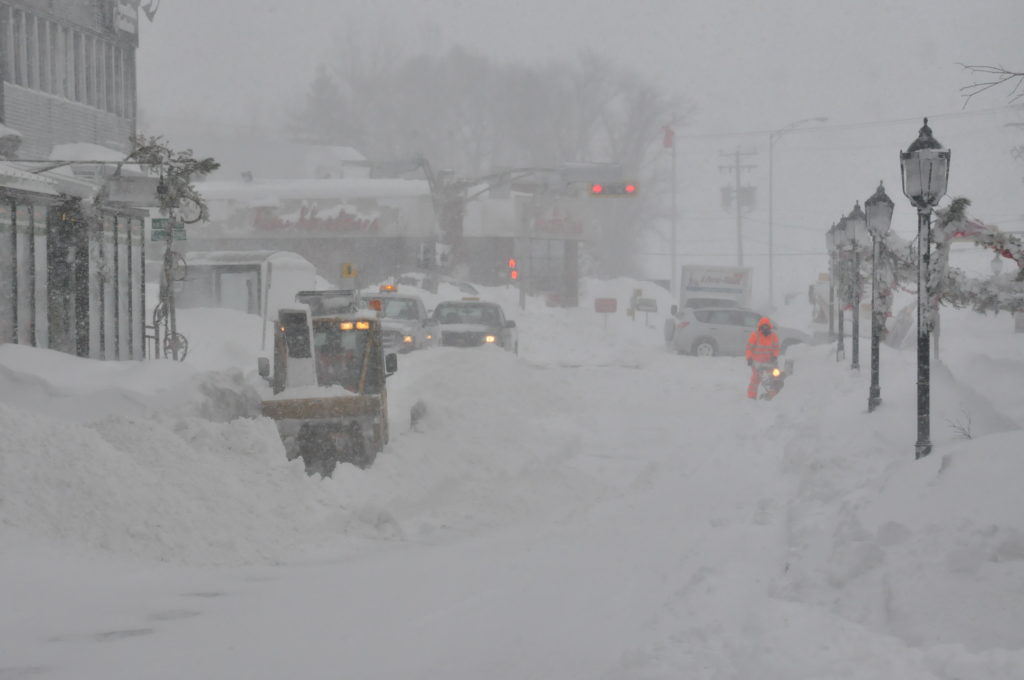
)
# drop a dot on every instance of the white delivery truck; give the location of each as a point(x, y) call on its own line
point(715, 286)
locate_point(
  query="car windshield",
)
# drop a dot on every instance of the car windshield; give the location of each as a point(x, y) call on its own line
point(471, 314)
point(398, 308)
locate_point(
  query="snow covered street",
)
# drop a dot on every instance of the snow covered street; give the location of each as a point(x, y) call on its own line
point(595, 508)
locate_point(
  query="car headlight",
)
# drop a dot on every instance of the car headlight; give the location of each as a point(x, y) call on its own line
point(407, 339)
point(489, 338)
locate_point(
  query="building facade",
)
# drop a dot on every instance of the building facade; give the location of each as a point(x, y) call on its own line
point(72, 266)
point(68, 72)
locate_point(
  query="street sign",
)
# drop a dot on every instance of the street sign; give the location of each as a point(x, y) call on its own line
point(348, 271)
point(646, 305)
point(605, 305)
point(160, 225)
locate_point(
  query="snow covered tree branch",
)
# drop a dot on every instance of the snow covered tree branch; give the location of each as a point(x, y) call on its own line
point(990, 77)
point(176, 168)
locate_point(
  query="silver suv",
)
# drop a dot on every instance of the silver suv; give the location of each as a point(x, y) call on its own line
point(712, 331)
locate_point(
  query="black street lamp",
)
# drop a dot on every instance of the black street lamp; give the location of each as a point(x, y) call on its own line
point(878, 209)
point(830, 244)
point(841, 238)
point(857, 231)
point(925, 172)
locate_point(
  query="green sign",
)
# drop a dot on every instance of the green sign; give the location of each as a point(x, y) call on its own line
point(160, 229)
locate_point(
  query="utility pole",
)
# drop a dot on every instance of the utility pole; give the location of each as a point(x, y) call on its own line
point(741, 198)
point(670, 142)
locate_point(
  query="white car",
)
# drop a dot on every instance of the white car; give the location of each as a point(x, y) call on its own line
point(712, 331)
point(405, 324)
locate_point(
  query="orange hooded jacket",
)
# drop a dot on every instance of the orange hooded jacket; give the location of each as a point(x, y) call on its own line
point(761, 348)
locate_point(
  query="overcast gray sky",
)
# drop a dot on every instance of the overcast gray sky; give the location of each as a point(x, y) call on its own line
point(747, 66)
point(745, 63)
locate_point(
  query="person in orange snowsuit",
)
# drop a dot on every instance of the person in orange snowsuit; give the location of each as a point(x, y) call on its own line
point(762, 348)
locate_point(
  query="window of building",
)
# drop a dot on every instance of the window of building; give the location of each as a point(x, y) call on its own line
point(56, 58)
point(14, 40)
point(119, 107)
point(90, 70)
point(108, 72)
point(43, 51)
point(79, 66)
point(31, 53)
point(65, 68)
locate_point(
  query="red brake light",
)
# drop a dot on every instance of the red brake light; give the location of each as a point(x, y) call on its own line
point(630, 188)
point(375, 305)
point(682, 324)
point(596, 189)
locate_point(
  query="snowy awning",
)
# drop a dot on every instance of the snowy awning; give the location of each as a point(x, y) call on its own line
point(214, 258)
point(12, 177)
point(8, 131)
point(312, 189)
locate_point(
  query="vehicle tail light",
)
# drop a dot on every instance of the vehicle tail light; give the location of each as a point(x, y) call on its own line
point(682, 324)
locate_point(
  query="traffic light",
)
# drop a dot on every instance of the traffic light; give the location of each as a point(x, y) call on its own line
point(613, 189)
point(513, 273)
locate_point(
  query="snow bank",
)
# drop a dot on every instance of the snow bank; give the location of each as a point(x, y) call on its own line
point(179, 490)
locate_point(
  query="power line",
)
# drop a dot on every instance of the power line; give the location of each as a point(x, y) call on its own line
point(853, 126)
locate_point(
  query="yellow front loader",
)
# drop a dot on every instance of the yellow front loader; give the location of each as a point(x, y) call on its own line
point(328, 382)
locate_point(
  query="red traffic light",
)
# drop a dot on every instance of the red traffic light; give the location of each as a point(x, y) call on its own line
point(513, 275)
point(613, 189)
point(511, 263)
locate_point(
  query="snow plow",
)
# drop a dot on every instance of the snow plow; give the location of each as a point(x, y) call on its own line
point(328, 381)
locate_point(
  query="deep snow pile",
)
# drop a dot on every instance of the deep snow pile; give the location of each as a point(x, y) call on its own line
point(793, 539)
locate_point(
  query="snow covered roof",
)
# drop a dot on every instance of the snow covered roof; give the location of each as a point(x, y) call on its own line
point(13, 177)
point(8, 131)
point(266, 191)
point(84, 151)
point(343, 153)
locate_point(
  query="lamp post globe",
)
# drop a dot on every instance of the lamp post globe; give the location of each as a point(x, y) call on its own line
point(878, 213)
point(925, 172)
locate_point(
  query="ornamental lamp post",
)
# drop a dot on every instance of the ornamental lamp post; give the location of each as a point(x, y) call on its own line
point(841, 238)
point(830, 244)
point(878, 209)
point(857, 231)
point(925, 172)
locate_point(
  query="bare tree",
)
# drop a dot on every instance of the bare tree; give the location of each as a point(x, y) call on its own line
point(987, 77)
